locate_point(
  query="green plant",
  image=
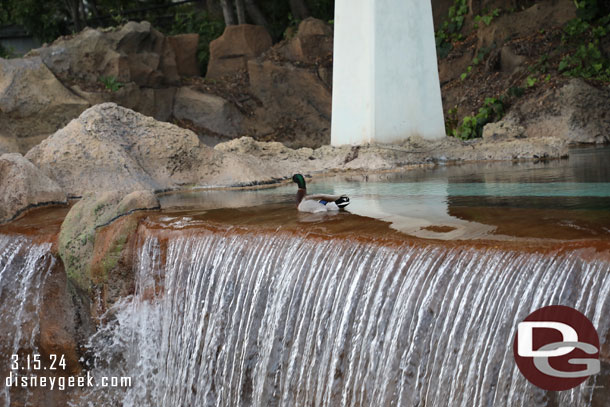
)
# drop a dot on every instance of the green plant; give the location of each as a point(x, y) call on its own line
point(486, 18)
point(464, 75)
point(450, 29)
point(7, 53)
point(451, 120)
point(590, 10)
point(111, 83)
point(541, 66)
point(587, 62)
point(530, 81)
point(472, 126)
point(581, 39)
point(516, 91)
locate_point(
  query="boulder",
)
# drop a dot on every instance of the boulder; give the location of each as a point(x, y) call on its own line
point(154, 102)
point(77, 237)
point(576, 112)
point(135, 52)
point(312, 44)
point(8, 144)
point(503, 130)
point(113, 148)
point(230, 52)
point(33, 103)
point(294, 97)
point(208, 112)
point(509, 60)
point(185, 50)
point(23, 186)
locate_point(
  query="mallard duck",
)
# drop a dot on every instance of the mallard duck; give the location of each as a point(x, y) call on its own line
point(317, 203)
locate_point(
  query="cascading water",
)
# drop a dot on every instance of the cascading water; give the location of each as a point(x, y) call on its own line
point(24, 267)
point(246, 319)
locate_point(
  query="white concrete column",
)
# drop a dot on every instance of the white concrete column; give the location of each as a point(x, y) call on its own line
point(385, 75)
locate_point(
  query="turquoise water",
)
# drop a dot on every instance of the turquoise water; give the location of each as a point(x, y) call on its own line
point(464, 197)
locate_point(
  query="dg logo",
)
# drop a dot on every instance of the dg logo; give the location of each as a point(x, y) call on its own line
point(557, 348)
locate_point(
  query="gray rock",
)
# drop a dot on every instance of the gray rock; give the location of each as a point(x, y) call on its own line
point(502, 130)
point(113, 148)
point(207, 111)
point(577, 113)
point(23, 186)
point(33, 103)
point(135, 52)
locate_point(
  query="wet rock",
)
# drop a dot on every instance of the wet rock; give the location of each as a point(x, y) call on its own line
point(185, 50)
point(230, 52)
point(22, 186)
point(207, 111)
point(77, 237)
point(33, 103)
point(576, 113)
point(135, 52)
point(57, 321)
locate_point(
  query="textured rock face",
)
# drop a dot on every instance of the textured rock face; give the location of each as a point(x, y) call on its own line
point(134, 53)
point(33, 104)
point(77, 237)
point(577, 113)
point(208, 112)
point(185, 49)
point(22, 186)
point(230, 52)
point(312, 43)
point(112, 148)
point(295, 96)
point(154, 102)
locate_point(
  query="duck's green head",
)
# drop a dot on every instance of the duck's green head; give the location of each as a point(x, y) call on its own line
point(299, 179)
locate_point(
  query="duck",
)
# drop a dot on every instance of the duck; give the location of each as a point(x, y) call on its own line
point(317, 203)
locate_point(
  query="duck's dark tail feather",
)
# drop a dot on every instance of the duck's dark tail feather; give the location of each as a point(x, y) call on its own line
point(342, 202)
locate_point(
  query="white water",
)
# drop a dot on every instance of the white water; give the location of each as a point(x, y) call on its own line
point(258, 320)
point(24, 268)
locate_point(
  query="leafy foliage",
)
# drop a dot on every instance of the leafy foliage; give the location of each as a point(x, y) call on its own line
point(6, 53)
point(450, 29)
point(586, 58)
point(472, 126)
point(111, 83)
point(590, 10)
point(486, 18)
point(476, 61)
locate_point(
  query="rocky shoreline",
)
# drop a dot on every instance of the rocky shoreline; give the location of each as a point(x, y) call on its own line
point(112, 148)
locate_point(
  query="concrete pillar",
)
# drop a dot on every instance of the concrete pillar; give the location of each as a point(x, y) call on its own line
point(385, 75)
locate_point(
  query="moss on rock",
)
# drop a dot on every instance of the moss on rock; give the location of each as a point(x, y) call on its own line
point(77, 238)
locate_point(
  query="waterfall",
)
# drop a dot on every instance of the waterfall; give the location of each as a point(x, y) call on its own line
point(255, 319)
point(24, 267)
